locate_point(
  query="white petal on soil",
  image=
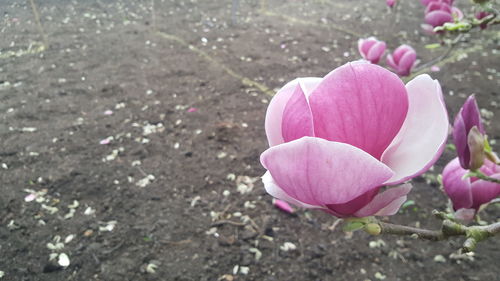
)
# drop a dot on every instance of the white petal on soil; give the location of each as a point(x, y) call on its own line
point(63, 260)
point(288, 246)
point(69, 238)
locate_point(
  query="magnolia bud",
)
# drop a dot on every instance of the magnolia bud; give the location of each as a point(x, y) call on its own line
point(373, 228)
point(475, 141)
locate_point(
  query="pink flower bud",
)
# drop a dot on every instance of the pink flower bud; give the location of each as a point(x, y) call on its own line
point(390, 3)
point(467, 118)
point(470, 193)
point(337, 140)
point(402, 60)
point(371, 49)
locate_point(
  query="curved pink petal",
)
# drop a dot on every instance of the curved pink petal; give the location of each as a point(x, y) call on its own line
point(376, 52)
point(390, 61)
point(484, 191)
point(489, 168)
point(438, 18)
point(364, 45)
point(438, 6)
point(427, 2)
point(277, 105)
point(297, 117)
point(319, 172)
point(406, 63)
point(456, 187)
point(360, 104)
point(386, 203)
point(275, 191)
point(400, 51)
point(423, 135)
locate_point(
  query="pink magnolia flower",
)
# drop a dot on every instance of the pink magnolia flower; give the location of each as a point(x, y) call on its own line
point(335, 141)
point(390, 3)
point(467, 118)
point(371, 49)
point(468, 194)
point(402, 60)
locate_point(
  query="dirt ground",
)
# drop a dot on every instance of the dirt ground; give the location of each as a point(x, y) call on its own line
point(131, 143)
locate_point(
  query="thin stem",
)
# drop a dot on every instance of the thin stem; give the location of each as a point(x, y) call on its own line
point(479, 175)
point(474, 234)
point(389, 228)
point(442, 56)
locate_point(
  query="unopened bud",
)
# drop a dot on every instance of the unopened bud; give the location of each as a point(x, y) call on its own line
point(475, 141)
point(373, 228)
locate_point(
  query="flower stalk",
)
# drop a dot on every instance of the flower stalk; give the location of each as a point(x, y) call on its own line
point(449, 228)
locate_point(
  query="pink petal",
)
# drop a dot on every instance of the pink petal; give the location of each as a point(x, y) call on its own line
point(275, 191)
point(437, 6)
point(284, 206)
point(406, 63)
point(30, 197)
point(192, 109)
point(455, 186)
point(400, 52)
point(438, 18)
point(376, 52)
point(297, 118)
point(386, 203)
point(390, 61)
point(360, 104)
point(277, 105)
point(319, 172)
point(364, 45)
point(465, 215)
point(423, 135)
point(484, 191)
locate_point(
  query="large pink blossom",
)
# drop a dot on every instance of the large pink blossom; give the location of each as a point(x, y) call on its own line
point(335, 141)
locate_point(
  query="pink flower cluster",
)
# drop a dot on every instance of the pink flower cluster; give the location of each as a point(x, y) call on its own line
point(439, 12)
point(469, 193)
point(402, 60)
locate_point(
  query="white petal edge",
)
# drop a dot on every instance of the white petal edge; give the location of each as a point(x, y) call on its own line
point(422, 137)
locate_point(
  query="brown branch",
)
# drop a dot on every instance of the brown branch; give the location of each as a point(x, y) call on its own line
point(474, 234)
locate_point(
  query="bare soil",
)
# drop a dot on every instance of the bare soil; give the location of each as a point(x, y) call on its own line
point(176, 91)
